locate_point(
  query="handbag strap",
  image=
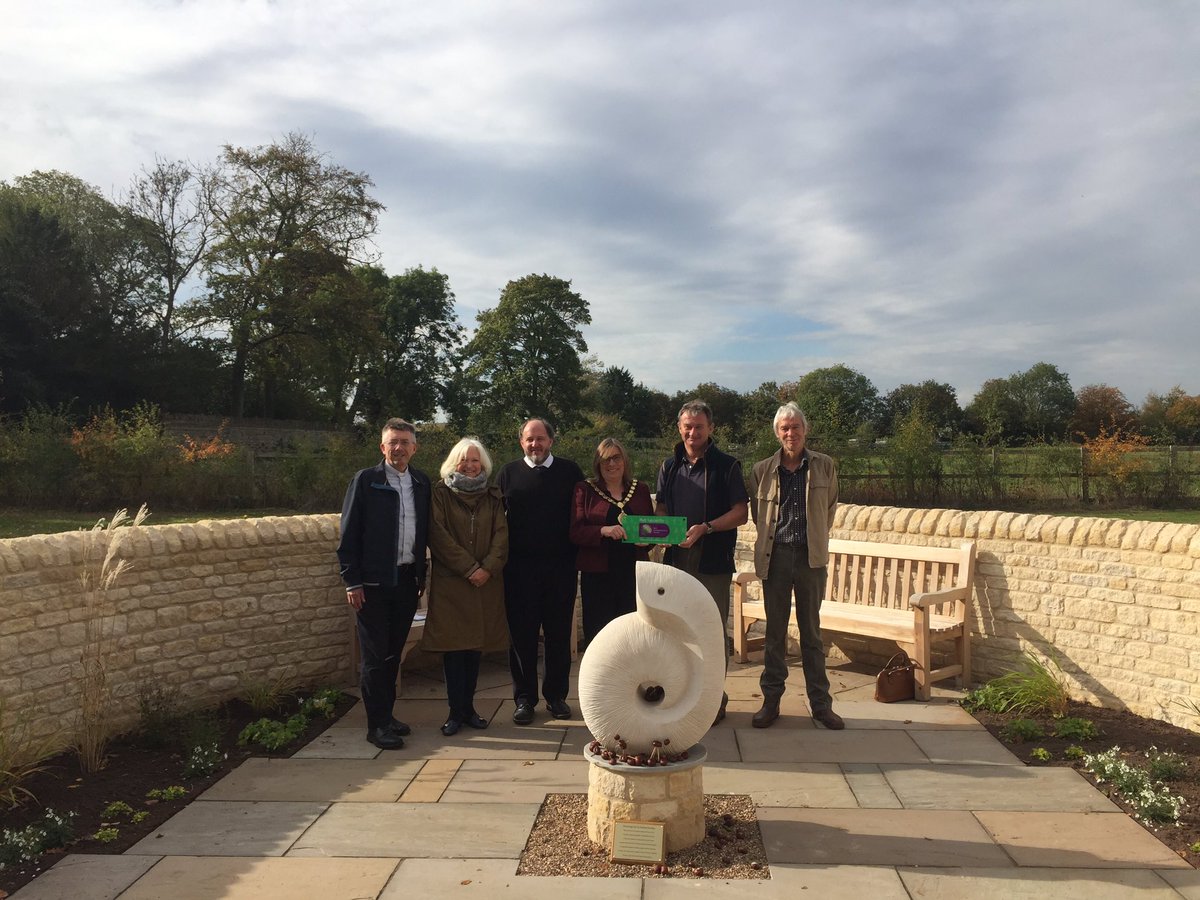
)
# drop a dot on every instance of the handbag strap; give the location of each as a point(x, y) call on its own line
point(904, 660)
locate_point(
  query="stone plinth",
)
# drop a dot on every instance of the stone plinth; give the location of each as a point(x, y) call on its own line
point(671, 794)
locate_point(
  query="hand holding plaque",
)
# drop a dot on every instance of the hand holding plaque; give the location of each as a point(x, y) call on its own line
point(654, 529)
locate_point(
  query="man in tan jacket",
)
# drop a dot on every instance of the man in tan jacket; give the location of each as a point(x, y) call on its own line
point(793, 498)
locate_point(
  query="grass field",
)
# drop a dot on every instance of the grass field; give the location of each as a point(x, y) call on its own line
point(22, 522)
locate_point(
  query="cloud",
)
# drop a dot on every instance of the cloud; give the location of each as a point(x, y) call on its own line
point(918, 190)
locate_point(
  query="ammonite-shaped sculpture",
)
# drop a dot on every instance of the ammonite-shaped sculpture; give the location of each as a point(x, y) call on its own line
point(656, 674)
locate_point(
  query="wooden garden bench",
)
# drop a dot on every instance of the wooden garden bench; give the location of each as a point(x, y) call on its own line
point(909, 594)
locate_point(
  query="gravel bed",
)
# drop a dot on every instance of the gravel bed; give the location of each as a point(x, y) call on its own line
point(732, 846)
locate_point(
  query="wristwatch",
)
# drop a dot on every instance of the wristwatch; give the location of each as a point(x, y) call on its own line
point(708, 525)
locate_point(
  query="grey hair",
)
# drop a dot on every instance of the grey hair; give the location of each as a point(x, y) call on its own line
point(395, 424)
point(696, 407)
point(459, 452)
point(789, 410)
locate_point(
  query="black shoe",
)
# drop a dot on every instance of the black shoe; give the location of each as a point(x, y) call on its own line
point(559, 709)
point(829, 719)
point(385, 739)
point(450, 727)
point(475, 720)
point(721, 712)
point(766, 716)
point(523, 714)
point(400, 728)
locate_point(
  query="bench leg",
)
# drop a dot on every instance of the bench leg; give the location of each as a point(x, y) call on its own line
point(739, 623)
point(922, 651)
point(963, 646)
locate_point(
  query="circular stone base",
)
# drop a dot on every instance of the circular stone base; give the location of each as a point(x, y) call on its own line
point(671, 794)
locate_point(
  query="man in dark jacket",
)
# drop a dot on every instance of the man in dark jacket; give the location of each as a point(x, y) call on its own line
point(385, 529)
point(540, 578)
point(705, 486)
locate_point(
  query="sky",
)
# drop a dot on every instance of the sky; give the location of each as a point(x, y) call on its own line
point(742, 191)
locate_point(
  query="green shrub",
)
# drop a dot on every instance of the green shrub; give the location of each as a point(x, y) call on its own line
point(272, 734)
point(160, 718)
point(1037, 690)
point(1152, 803)
point(1073, 728)
point(323, 703)
point(22, 845)
point(267, 695)
point(174, 792)
point(1074, 752)
point(1166, 765)
point(1041, 754)
point(203, 760)
point(1020, 730)
point(107, 834)
point(117, 808)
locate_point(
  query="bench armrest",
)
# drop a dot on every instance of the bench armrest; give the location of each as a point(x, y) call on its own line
point(936, 598)
point(745, 578)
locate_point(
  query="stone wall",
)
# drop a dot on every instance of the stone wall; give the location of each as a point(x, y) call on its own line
point(208, 608)
point(212, 607)
point(1116, 603)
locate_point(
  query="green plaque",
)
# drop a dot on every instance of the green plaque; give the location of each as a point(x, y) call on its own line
point(654, 529)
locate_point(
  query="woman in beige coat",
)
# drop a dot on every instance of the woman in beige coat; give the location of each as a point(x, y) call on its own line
point(468, 540)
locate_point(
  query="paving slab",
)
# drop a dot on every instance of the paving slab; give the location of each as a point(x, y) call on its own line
point(1035, 884)
point(440, 830)
point(339, 742)
point(512, 781)
point(323, 780)
point(974, 747)
point(1185, 882)
point(501, 741)
point(975, 787)
point(909, 715)
point(836, 882)
point(1078, 840)
point(869, 786)
point(223, 828)
point(274, 878)
point(417, 713)
point(781, 784)
point(83, 875)
point(494, 879)
point(877, 837)
point(805, 745)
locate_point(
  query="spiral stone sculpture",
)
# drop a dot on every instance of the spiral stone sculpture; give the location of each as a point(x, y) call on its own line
point(656, 674)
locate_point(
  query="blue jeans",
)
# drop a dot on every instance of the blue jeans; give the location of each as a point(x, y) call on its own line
point(790, 572)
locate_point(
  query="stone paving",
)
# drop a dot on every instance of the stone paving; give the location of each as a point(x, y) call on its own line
point(911, 800)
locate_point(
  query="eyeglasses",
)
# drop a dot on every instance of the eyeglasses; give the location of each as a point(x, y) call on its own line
point(606, 460)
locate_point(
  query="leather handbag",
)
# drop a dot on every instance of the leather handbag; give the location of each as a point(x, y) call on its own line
point(896, 681)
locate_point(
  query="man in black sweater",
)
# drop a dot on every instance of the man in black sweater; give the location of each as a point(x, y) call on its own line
point(539, 578)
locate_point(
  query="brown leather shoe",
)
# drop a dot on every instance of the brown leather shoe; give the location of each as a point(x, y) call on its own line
point(721, 711)
point(829, 719)
point(766, 716)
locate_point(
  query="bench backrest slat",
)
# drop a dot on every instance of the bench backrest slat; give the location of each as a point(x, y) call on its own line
point(887, 575)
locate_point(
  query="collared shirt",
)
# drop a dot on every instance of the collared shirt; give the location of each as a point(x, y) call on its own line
point(407, 532)
point(792, 527)
point(547, 463)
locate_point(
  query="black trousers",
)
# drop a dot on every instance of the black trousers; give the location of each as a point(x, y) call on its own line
point(462, 674)
point(539, 595)
point(606, 595)
point(383, 624)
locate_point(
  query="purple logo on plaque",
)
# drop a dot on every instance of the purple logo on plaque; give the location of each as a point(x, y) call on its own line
point(653, 530)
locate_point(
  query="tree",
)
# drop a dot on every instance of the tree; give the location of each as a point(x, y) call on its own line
point(1153, 415)
point(71, 297)
point(524, 359)
point(1183, 418)
point(288, 226)
point(1036, 404)
point(170, 199)
point(935, 403)
point(410, 372)
point(1101, 407)
point(1045, 399)
point(728, 406)
point(839, 402)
